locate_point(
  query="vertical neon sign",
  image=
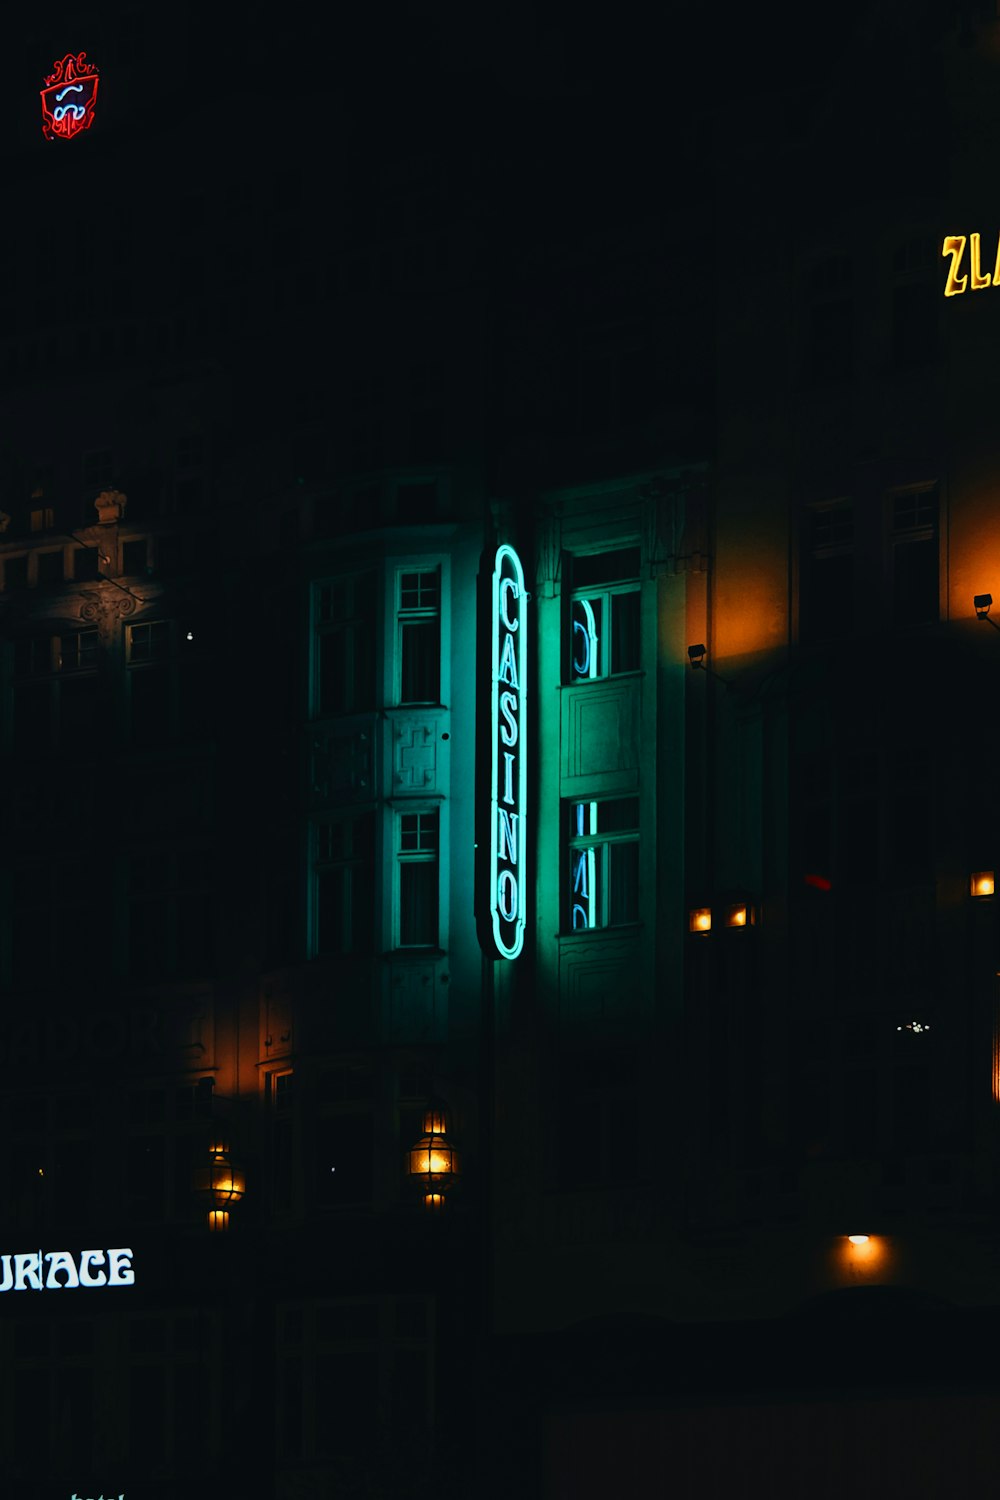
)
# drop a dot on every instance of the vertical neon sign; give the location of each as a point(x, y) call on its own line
point(68, 97)
point(508, 838)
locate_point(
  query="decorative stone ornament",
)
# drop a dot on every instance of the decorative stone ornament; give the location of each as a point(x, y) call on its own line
point(110, 506)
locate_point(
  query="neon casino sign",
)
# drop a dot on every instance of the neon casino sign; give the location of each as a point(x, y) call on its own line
point(30, 1273)
point(508, 840)
point(68, 97)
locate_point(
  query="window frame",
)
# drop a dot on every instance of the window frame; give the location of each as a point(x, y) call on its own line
point(597, 845)
point(353, 621)
point(605, 592)
point(402, 858)
point(352, 863)
point(417, 615)
point(900, 537)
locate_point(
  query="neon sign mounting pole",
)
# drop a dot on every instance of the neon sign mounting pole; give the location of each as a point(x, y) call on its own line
point(508, 783)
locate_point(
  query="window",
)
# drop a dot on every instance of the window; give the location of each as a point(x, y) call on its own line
point(55, 692)
point(56, 919)
point(596, 1129)
point(171, 694)
point(85, 564)
point(418, 636)
point(169, 1387)
point(604, 615)
point(827, 594)
point(417, 879)
point(602, 884)
point(344, 681)
point(97, 468)
point(916, 303)
point(829, 351)
point(15, 573)
point(49, 566)
point(344, 885)
point(914, 544)
point(280, 1094)
point(350, 1369)
point(344, 1135)
point(134, 557)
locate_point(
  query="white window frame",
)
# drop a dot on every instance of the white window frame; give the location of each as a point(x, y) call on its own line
point(596, 846)
point(401, 857)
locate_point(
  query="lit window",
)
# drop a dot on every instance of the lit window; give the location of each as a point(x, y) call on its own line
point(417, 872)
point(604, 615)
point(418, 635)
point(78, 652)
point(602, 887)
point(344, 885)
point(344, 671)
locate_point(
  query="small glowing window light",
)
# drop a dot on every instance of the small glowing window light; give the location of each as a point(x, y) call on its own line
point(982, 883)
point(858, 1239)
point(917, 1027)
point(700, 919)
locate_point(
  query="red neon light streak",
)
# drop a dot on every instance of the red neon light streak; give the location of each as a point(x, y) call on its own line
point(68, 97)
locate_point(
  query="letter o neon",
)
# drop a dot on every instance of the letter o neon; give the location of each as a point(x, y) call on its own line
point(507, 877)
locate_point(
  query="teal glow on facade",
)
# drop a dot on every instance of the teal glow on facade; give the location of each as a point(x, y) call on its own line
point(508, 781)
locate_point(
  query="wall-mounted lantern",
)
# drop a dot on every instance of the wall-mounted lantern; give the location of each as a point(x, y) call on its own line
point(982, 883)
point(221, 1182)
point(432, 1162)
point(700, 919)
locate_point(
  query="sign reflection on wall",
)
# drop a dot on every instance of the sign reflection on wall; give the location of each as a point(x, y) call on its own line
point(508, 838)
point(52, 1270)
point(585, 638)
point(583, 871)
point(68, 97)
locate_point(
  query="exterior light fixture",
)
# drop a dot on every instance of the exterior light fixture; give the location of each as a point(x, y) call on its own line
point(221, 1182)
point(982, 883)
point(700, 919)
point(740, 914)
point(858, 1239)
point(696, 656)
point(432, 1162)
point(982, 603)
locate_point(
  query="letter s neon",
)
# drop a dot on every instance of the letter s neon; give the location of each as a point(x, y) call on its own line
point(508, 708)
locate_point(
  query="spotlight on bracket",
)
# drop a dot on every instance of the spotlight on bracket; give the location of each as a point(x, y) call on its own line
point(982, 603)
point(696, 656)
